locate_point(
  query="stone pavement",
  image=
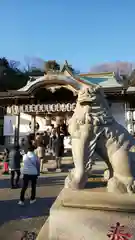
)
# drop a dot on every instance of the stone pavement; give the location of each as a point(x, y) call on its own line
point(15, 219)
point(66, 162)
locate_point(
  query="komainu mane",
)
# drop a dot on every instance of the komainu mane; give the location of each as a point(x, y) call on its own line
point(94, 130)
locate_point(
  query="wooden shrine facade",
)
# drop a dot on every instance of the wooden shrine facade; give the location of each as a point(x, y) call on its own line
point(55, 93)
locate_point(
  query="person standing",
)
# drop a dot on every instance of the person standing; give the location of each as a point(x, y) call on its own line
point(23, 145)
point(30, 171)
point(52, 143)
point(6, 161)
point(46, 139)
point(40, 152)
point(15, 162)
point(59, 148)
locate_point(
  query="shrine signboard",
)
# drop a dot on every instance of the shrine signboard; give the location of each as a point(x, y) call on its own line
point(41, 108)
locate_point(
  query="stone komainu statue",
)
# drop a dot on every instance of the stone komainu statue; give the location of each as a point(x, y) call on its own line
point(94, 130)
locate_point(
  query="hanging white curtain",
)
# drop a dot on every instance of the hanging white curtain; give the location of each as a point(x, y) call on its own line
point(9, 122)
point(129, 115)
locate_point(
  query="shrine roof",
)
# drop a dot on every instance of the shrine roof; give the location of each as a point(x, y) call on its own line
point(51, 79)
point(105, 80)
point(108, 80)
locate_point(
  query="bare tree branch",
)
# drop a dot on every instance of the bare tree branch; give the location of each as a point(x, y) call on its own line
point(123, 68)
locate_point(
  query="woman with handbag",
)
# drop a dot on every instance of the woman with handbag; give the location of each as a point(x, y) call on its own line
point(30, 171)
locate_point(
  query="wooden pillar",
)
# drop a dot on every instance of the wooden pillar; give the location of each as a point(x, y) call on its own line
point(127, 108)
point(33, 122)
point(17, 129)
point(17, 126)
point(33, 117)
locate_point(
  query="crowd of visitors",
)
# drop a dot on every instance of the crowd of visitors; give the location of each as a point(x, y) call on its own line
point(28, 159)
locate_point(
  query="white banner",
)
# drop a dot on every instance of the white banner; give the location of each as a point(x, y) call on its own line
point(8, 125)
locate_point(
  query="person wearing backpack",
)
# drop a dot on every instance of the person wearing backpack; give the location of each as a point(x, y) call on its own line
point(30, 171)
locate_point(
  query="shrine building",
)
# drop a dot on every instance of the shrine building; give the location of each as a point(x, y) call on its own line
point(50, 99)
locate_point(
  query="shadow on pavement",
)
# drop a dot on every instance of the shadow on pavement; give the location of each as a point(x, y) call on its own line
point(90, 185)
point(97, 172)
point(9, 210)
point(64, 167)
point(4, 183)
point(43, 180)
point(48, 181)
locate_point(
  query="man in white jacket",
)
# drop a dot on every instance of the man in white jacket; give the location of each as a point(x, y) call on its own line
point(30, 171)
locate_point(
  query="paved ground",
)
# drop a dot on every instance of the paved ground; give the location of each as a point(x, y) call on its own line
point(15, 219)
point(31, 217)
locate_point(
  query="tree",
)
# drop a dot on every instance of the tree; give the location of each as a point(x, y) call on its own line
point(11, 77)
point(34, 66)
point(14, 64)
point(131, 78)
point(51, 65)
point(35, 72)
point(119, 67)
point(124, 71)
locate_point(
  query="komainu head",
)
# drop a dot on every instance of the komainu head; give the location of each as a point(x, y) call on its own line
point(88, 94)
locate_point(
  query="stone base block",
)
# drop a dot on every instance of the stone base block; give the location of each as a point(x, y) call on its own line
point(44, 232)
point(82, 215)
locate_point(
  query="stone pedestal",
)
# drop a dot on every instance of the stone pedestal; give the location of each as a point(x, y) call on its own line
point(86, 214)
point(44, 232)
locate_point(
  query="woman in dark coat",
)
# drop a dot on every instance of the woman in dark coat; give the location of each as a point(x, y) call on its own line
point(15, 164)
point(52, 143)
point(59, 147)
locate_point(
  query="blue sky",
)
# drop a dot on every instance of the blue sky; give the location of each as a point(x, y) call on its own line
point(84, 32)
